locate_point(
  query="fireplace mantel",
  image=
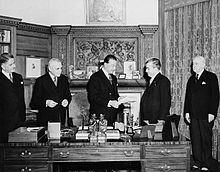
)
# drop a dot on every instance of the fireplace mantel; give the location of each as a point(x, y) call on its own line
point(81, 83)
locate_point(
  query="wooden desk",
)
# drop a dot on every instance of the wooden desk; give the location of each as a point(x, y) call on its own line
point(152, 156)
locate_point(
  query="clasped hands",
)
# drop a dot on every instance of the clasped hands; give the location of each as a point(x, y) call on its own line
point(51, 103)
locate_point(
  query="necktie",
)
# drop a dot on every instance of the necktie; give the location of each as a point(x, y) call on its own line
point(55, 80)
point(197, 77)
point(110, 78)
point(10, 77)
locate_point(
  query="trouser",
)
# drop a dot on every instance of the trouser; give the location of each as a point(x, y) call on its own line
point(201, 140)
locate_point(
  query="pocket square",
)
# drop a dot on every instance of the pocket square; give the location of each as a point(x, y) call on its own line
point(203, 83)
point(22, 82)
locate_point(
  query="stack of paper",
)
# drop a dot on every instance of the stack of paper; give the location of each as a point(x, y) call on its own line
point(158, 131)
point(82, 135)
point(113, 134)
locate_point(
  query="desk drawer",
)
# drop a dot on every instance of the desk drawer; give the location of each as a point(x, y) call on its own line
point(18, 154)
point(93, 154)
point(172, 151)
point(26, 168)
point(166, 165)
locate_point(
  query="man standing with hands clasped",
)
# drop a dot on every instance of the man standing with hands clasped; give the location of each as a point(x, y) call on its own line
point(51, 95)
point(156, 100)
point(200, 110)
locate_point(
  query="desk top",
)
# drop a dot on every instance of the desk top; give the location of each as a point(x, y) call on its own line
point(24, 144)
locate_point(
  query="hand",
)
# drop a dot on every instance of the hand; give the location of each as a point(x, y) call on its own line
point(113, 103)
point(64, 103)
point(51, 103)
point(161, 121)
point(187, 117)
point(120, 99)
point(210, 117)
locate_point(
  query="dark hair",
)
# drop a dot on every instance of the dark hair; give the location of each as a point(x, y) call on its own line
point(155, 61)
point(108, 57)
point(145, 75)
point(5, 57)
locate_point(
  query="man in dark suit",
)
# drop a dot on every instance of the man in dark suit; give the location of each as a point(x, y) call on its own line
point(156, 100)
point(200, 110)
point(102, 91)
point(12, 105)
point(51, 95)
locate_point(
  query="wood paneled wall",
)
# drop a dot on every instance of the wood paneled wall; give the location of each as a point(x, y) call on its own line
point(80, 46)
point(32, 41)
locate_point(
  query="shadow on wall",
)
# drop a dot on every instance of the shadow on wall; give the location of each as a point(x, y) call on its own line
point(79, 108)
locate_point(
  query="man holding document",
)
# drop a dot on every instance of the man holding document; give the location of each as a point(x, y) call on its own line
point(103, 92)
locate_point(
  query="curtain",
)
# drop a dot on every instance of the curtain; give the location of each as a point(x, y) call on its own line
point(189, 31)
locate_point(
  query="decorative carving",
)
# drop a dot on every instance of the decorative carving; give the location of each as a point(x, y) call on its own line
point(9, 21)
point(61, 30)
point(90, 52)
point(34, 28)
point(148, 29)
point(87, 45)
point(148, 46)
point(105, 31)
point(59, 50)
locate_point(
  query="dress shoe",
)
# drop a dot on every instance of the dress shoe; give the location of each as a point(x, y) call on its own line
point(194, 168)
point(204, 169)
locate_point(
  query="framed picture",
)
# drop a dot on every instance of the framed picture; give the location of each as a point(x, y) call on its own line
point(33, 67)
point(129, 67)
point(105, 12)
point(121, 76)
point(135, 74)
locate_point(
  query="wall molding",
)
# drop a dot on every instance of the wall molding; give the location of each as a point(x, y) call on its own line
point(34, 28)
point(10, 21)
point(62, 30)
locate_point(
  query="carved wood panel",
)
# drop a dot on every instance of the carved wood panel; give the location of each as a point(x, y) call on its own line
point(91, 51)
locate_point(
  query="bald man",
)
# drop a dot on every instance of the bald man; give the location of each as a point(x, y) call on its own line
point(200, 110)
point(51, 95)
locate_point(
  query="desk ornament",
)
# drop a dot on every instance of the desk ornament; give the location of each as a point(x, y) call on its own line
point(128, 123)
point(93, 129)
point(102, 137)
point(97, 129)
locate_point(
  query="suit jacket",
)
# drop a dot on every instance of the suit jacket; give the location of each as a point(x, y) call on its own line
point(202, 96)
point(100, 92)
point(156, 100)
point(45, 89)
point(12, 104)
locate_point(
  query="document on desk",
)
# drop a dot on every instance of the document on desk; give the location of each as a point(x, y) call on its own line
point(54, 130)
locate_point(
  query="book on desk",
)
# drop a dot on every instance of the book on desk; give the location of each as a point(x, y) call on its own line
point(111, 134)
point(27, 134)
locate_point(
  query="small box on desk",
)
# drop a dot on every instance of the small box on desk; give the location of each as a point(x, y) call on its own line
point(30, 134)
